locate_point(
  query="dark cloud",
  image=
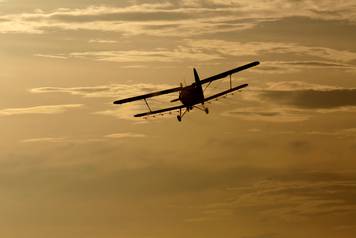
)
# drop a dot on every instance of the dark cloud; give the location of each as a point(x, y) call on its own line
point(264, 114)
point(300, 146)
point(313, 99)
point(267, 235)
point(125, 16)
point(302, 30)
point(269, 115)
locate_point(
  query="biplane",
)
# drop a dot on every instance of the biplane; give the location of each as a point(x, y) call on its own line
point(191, 96)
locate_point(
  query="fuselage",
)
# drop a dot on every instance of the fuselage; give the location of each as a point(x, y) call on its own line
point(191, 95)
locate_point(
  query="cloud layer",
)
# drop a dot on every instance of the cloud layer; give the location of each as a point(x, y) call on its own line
point(294, 199)
point(191, 17)
point(51, 109)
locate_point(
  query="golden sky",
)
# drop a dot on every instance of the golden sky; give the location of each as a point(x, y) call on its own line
point(274, 161)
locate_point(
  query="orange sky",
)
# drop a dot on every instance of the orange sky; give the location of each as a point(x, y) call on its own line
point(276, 160)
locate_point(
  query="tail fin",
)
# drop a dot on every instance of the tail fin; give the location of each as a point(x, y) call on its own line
point(198, 84)
point(196, 77)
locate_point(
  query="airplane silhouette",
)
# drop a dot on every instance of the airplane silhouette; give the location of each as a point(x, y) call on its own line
point(190, 96)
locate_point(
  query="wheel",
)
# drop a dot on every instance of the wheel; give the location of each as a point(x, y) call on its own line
point(206, 110)
point(179, 118)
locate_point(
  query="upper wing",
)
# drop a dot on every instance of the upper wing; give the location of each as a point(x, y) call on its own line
point(126, 100)
point(227, 73)
point(159, 111)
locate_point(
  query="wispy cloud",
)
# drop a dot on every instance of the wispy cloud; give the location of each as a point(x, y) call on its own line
point(51, 56)
point(234, 48)
point(293, 101)
point(298, 86)
point(118, 91)
point(294, 199)
point(105, 91)
point(207, 51)
point(312, 99)
point(102, 41)
point(340, 134)
point(150, 19)
point(183, 18)
point(52, 109)
point(44, 140)
point(295, 66)
point(159, 55)
point(115, 136)
point(272, 114)
point(125, 135)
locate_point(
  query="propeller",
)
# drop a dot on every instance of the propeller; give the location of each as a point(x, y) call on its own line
point(177, 99)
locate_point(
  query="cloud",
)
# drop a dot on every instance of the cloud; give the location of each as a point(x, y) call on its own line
point(294, 66)
point(313, 99)
point(106, 91)
point(266, 235)
point(66, 140)
point(234, 48)
point(303, 95)
point(119, 91)
point(52, 109)
point(180, 54)
point(298, 86)
point(44, 139)
point(127, 112)
point(51, 56)
point(218, 50)
point(293, 101)
point(150, 19)
point(125, 135)
point(340, 134)
point(284, 115)
point(183, 18)
point(295, 198)
point(102, 41)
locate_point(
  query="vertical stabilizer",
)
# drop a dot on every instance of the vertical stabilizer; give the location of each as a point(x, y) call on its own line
point(196, 77)
point(198, 85)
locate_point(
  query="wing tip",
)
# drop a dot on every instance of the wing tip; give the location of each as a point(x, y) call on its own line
point(117, 102)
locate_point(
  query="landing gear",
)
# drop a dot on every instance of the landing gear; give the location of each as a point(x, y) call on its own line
point(180, 116)
point(202, 108)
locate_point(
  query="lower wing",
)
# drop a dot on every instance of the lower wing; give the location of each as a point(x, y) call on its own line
point(159, 111)
point(225, 92)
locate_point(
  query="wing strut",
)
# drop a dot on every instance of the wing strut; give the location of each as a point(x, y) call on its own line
point(230, 82)
point(147, 104)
